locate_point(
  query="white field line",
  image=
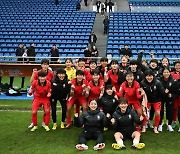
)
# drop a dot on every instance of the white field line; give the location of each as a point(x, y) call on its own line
point(5, 105)
point(2, 110)
point(14, 111)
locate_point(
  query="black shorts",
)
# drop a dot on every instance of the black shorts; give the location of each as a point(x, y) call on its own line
point(127, 134)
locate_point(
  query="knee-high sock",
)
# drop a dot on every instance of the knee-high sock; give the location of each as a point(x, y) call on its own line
point(34, 118)
point(44, 117)
point(175, 111)
point(179, 114)
point(47, 118)
point(175, 114)
point(144, 121)
point(157, 120)
point(68, 120)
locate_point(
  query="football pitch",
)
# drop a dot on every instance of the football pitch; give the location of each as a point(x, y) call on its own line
point(15, 137)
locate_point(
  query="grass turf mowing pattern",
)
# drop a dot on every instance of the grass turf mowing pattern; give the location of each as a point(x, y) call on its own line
point(15, 137)
point(16, 104)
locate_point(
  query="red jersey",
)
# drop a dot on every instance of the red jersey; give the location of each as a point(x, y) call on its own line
point(40, 92)
point(88, 75)
point(95, 90)
point(78, 88)
point(49, 75)
point(175, 75)
point(114, 79)
point(132, 94)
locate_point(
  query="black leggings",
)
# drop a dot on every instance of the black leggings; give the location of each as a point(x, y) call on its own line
point(151, 114)
point(53, 108)
point(169, 112)
point(95, 135)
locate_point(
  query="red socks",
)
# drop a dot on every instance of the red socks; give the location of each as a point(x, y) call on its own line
point(46, 118)
point(144, 120)
point(68, 120)
point(157, 120)
point(34, 118)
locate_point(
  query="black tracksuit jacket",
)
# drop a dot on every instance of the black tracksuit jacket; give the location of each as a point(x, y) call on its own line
point(93, 121)
point(153, 90)
point(108, 103)
point(169, 84)
point(125, 121)
point(60, 89)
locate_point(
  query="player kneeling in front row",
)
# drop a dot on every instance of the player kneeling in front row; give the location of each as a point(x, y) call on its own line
point(41, 89)
point(94, 121)
point(124, 117)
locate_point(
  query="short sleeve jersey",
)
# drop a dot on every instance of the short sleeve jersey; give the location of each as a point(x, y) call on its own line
point(40, 92)
point(95, 90)
point(78, 87)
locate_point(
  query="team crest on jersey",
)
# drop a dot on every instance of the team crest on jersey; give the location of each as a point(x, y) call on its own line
point(98, 117)
point(129, 116)
point(87, 116)
point(54, 84)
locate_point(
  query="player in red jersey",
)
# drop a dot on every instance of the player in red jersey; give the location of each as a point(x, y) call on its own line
point(176, 75)
point(111, 77)
point(103, 65)
point(77, 95)
point(130, 89)
point(96, 86)
point(45, 68)
point(41, 89)
point(49, 77)
point(88, 71)
point(80, 64)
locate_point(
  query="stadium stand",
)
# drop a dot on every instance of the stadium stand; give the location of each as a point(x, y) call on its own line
point(154, 5)
point(152, 32)
point(45, 24)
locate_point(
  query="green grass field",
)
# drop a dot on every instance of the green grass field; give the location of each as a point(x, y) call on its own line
point(15, 137)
